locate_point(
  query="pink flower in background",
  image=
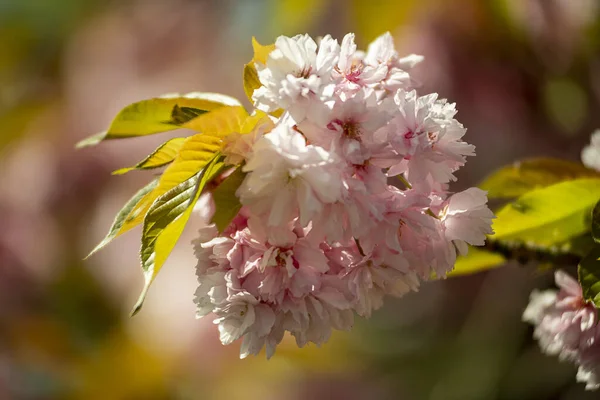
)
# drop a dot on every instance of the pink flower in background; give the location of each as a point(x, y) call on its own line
point(566, 325)
point(590, 155)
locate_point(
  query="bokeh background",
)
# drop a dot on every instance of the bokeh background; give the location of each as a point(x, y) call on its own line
point(524, 73)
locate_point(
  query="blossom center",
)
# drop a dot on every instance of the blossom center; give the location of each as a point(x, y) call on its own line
point(354, 74)
point(304, 72)
point(349, 128)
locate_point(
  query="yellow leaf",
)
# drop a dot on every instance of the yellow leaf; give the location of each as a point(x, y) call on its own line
point(476, 261)
point(549, 216)
point(261, 53)
point(251, 81)
point(160, 114)
point(220, 122)
point(258, 118)
point(523, 176)
point(160, 157)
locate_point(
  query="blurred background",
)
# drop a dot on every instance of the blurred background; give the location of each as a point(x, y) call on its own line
point(524, 73)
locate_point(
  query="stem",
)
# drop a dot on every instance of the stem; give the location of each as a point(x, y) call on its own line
point(360, 249)
point(431, 213)
point(525, 255)
point(404, 181)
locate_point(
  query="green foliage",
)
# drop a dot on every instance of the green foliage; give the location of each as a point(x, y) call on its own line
point(596, 222)
point(521, 177)
point(476, 261)
point(549, 216)
point(160, 157)
point(589, 276)
point(227, 204)
point(167, 218)
point(122, 217)
point(160, 114)
point(565, 102)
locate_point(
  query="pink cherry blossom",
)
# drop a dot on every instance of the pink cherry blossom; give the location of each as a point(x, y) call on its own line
point(566, 325)
point(322, 234)
point(467, 219)
point(287, 176)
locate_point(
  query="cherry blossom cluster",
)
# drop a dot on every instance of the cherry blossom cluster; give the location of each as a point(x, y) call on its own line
point(322, 235)
point(566, 325)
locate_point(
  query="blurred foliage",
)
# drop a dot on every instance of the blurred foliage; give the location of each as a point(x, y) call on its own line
point(35, 32)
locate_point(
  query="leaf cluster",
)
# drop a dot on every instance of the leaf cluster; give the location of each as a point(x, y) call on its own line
point(190, 164)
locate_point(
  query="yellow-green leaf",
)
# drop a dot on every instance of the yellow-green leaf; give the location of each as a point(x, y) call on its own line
point(548, 216)
point(160, 157)
point(258, 118)
point(596, 222)
point(160, 114)
point(523, 176)
point(166, 220)
point(589, 276)
point(227, 204)
point(221, 122)
point(116, 228)
point(251, 81)
point(194, 154)
point(476, 261)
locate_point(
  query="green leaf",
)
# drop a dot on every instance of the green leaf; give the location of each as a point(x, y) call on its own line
point(227, 204)
point(596, 222)
point(589, 276)
point(160, 114)
point(549, 216)
point(181, 115)
point(476, 261)
point(524, 176)
point(166, 220)
point(577, 246)
point(121, 218)
point(160, 157)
